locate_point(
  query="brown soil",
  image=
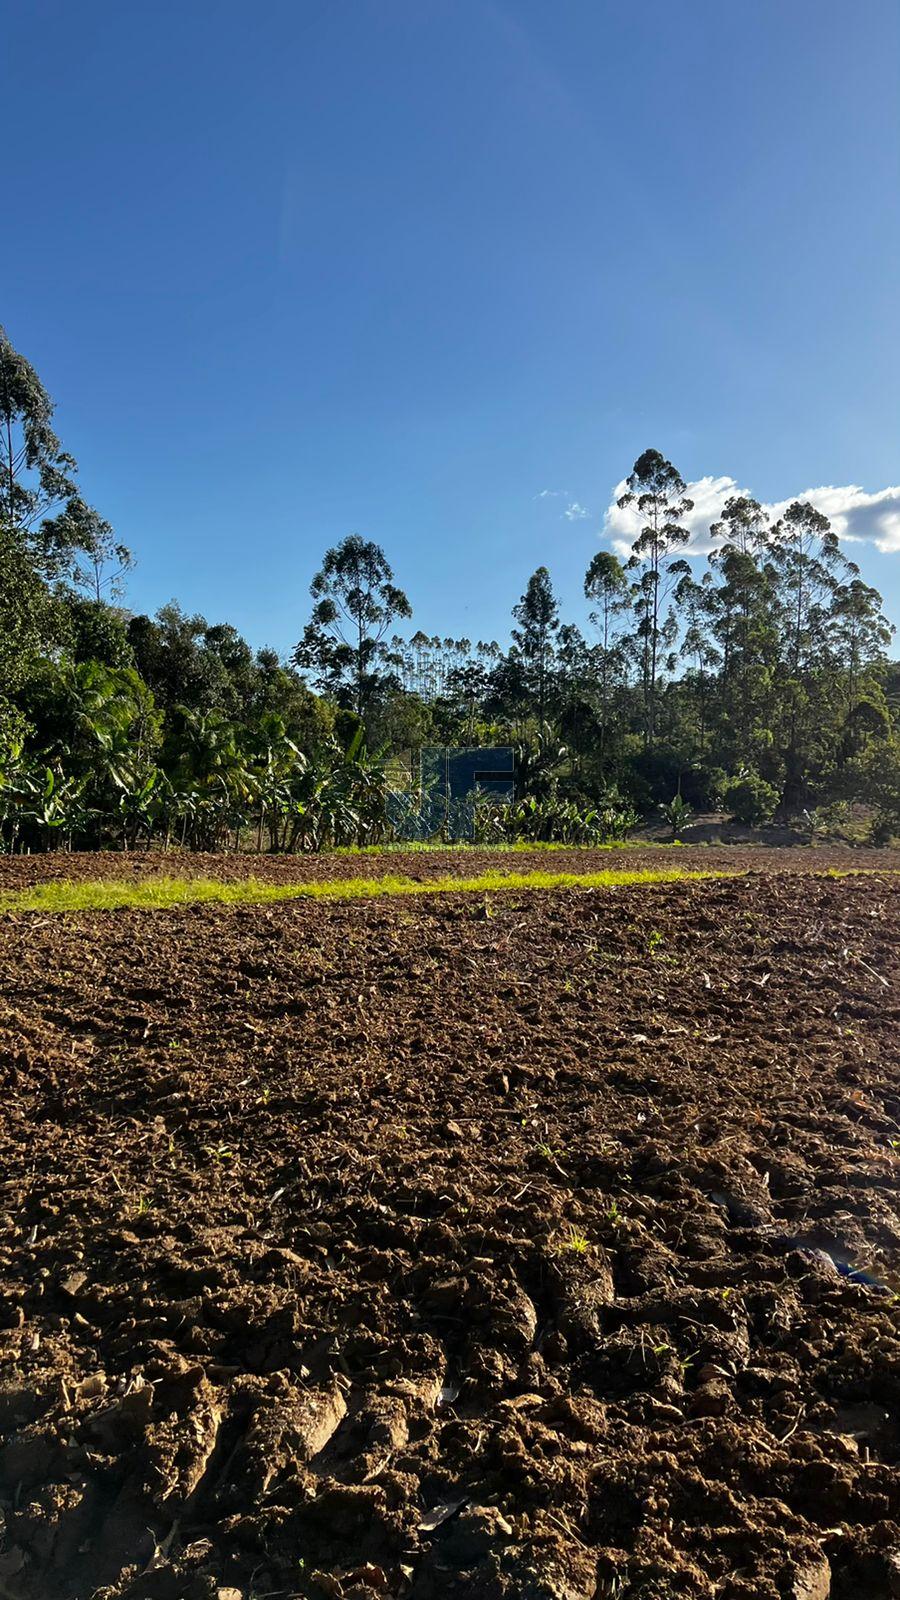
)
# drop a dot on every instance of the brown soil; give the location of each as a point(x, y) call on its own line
point(20, 872)
point(454, 1249)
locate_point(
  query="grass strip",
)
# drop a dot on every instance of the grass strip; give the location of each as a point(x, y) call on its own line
point(63, 896)
point(158, 894)
point(514, 847)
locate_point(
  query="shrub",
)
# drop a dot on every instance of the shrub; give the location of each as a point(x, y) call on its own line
point(703, 787)
point(885, 826)
point(875, 779)
point(750, 798)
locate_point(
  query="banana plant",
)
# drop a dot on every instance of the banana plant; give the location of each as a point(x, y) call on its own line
point(58, 809)
point(676, 812)
point(142, 806)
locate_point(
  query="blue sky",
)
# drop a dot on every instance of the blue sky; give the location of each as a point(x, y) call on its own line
point(394, 267)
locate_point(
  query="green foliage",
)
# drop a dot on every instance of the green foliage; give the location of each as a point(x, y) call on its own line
point(356, 601)
point(538, 763)
point(759, 680)
point(95, 631)
point(28, 620)
point(537, 616)
point(100, 782)
point(657, 490)
point(751, 799)
point(40, 503)
point(551, 820)
point(398, 720)
point(875, 777)
point(676, 812)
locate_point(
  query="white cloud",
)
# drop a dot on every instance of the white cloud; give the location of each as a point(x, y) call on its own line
point(855, 515)
point(576, 512)
point(551, 494)
point(858, 517)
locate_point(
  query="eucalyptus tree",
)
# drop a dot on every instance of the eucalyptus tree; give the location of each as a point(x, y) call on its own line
point(741, 538)
point(607, 587)
point(859, 638)
point(659, 494)
point(356, 603)
point(102, 561)
point(808, 560)
point(39, 497)
point(508, 703)
point(537, 615)
point(47, 531)
point(743, 526)
point(462, 702)
point(36, 474)
point(861, 633)
point(745, 625)
point(695, 603)
point(399, 720)
point(28, 625)
point(807, 564)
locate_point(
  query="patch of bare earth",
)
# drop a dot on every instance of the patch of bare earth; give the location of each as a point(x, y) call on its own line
point(454, 1248)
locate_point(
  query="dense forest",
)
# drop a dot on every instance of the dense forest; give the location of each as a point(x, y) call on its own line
point(758, 681)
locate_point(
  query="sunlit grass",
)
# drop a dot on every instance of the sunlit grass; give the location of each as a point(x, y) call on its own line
point(159, 894)
point(517, 846)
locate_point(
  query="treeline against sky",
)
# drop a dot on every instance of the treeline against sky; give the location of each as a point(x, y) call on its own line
point(757, 678)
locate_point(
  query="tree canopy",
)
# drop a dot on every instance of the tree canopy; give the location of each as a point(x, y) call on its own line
point(356, 603)
point(756, 677)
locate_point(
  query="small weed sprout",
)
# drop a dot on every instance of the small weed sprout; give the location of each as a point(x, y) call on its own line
point(575, 1241)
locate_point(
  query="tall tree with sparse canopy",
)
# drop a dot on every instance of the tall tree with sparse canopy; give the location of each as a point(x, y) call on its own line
point(39, 500)
point(659, 492)
point(606, 586)
point(537, 614)
point(356, 602)
point(47, 532)
point(808, 562)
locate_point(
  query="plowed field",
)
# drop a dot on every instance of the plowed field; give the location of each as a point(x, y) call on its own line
point(537, 1245)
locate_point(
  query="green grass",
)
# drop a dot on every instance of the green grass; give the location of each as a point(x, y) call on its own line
point(427, 846)
point(159, 894)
